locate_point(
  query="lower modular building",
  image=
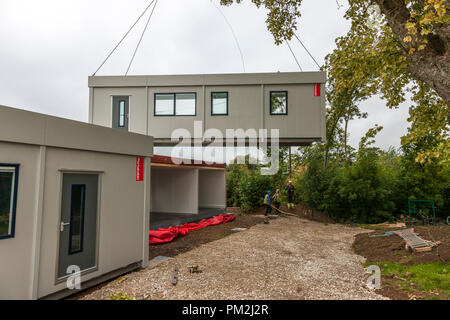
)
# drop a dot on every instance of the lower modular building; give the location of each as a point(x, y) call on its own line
point(73, 196)
point(79, 197)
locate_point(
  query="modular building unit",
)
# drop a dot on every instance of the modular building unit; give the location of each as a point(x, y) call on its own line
point(293, 103)
point(72, 195)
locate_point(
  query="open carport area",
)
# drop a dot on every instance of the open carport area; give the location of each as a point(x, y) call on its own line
point(182, 193)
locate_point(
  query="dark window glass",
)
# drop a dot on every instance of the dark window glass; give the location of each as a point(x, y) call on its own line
point(7, 181)
point(77, 218)
point(219, 103)
point(278, 102)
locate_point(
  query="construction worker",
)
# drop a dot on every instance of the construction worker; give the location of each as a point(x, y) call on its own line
point(277, 200)
point(290, 191)
point(267, 203)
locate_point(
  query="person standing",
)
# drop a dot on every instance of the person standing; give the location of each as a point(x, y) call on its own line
point(267, 203)
point(277, 200)
point(290, 191)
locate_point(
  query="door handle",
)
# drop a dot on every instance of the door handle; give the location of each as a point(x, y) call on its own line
point(63, 224)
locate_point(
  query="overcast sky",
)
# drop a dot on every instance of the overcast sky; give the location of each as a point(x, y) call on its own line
point(48, 48)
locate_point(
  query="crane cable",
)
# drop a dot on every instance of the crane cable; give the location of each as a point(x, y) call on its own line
point(123, 38)
point(307, 50)
point(234, 34)
point(226, 20)
point(142, 36)
point(287, 42)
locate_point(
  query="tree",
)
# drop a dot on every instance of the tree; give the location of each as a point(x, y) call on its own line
point(416, 30)
point(421, 27)
point(368, 61)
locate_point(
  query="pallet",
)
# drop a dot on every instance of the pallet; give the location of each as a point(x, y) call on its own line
point(415, 242)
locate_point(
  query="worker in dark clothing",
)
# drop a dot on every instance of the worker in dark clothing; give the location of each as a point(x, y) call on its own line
point(290, 191)
point(267, 203)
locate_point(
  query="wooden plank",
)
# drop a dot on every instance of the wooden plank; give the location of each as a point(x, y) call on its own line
point(426, 249)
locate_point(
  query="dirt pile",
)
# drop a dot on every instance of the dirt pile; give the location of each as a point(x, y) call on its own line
point(301, 210)
point(392, 248)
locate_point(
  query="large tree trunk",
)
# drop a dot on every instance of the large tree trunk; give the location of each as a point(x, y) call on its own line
point(431, 65)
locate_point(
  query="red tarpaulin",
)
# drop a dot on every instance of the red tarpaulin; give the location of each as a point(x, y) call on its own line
point(166, 235)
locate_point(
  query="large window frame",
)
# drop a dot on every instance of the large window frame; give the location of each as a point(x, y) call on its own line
point(212, 103)
point(287, 103)
point(14, 190)
point(174, 112)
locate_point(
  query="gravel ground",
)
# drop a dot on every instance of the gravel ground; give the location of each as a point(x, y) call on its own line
point(290, 258)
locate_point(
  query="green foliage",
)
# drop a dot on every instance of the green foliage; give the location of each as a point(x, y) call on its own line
point(246, 186)
point(374, 187)
point(235, 175)
point(389, 54)
point(429, 180)
point(253, 190)
point(120, 296)
point(281, 18)
point(389, 51)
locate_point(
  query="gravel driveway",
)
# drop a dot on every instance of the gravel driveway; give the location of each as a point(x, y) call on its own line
point(290, 258)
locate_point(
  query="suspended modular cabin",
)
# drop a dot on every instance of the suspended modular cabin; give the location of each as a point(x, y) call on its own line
point(293, 103)
point(71, 194)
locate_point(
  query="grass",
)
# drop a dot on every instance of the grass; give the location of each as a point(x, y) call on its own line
point(426, 277)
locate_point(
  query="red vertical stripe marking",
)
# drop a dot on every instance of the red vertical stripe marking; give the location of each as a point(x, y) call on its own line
point(317, 90)
point(139, 169)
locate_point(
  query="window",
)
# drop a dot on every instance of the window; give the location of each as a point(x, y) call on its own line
point(219, 103)
point(77, 205)
point(122, 113)
point(164, 104)
point(278, 103)
point(175, 104)
point(8, 199)
point(185, 104)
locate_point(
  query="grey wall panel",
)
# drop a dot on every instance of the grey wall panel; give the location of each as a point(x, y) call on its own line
point(16, 253)
point(174, 190)
point(304, 112)
point(102, 113)
point(207, 79)
point(121, 207)
point(244, 108)
point(212, 189)
point(33, 128)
